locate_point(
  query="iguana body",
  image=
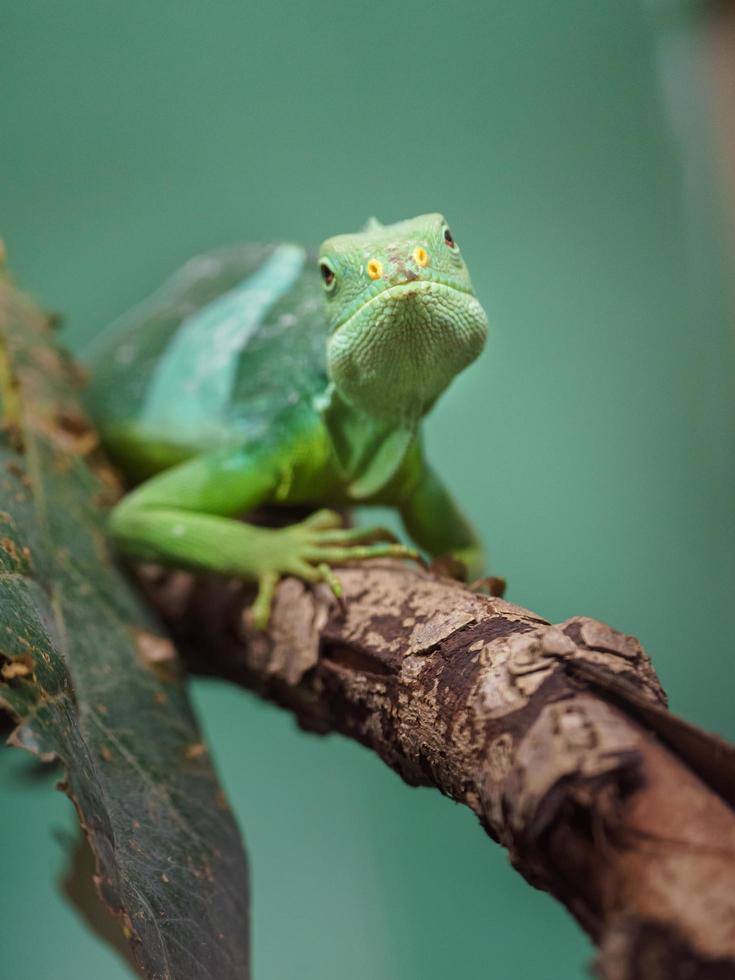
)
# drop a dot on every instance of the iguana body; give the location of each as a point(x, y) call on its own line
point(265, 375)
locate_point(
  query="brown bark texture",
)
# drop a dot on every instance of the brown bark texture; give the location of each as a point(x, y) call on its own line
point(556, 736)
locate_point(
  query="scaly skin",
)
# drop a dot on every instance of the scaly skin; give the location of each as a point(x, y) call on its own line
point(401, 321)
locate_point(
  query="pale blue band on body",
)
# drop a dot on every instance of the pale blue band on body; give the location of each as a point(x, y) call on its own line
point(191, 387)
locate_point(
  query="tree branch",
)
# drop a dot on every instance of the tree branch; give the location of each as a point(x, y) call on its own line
point(557, 737)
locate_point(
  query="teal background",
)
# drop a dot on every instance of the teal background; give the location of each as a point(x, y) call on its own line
point(567, 143)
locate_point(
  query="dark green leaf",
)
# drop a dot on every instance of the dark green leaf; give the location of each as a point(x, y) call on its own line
point(93, 680)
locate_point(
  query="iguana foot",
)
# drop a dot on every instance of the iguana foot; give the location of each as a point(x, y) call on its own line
point(310, 548)
point(449, 567)
point(453, 567)
point(492, 585)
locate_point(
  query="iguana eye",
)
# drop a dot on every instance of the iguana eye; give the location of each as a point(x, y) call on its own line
point(327, 273)
point(449, 238)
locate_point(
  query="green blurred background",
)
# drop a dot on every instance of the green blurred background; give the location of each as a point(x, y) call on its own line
point(567, 143)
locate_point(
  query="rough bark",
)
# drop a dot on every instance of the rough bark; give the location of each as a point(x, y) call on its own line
point(557, 737)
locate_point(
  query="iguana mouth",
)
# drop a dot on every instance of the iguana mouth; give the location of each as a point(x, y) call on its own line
point(406, 286)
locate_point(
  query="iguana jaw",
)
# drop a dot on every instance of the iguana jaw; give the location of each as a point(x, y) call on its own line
point(396, 353)
point(405, 288)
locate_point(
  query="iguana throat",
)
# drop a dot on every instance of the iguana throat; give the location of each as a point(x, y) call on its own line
point(396, 354)
point(369, 452)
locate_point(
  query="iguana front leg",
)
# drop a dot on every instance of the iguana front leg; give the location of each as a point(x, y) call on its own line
point(185, 517)
point(436, 524)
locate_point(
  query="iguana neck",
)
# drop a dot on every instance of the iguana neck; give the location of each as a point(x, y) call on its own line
point(369, 450)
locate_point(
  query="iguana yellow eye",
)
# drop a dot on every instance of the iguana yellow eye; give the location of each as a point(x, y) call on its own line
point(421, 256)
point(374, 269)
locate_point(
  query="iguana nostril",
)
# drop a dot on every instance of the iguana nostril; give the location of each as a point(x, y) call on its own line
point(374, 269)
point(421, 256)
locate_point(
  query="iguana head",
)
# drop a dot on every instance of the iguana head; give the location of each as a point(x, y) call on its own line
point(403, 317)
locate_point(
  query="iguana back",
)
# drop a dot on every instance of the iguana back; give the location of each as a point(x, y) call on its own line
point(233, 343)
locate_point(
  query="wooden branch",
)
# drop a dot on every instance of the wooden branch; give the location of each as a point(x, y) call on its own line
point(557, 737)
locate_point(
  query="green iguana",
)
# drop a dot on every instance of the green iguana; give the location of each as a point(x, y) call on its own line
point(262, 374)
